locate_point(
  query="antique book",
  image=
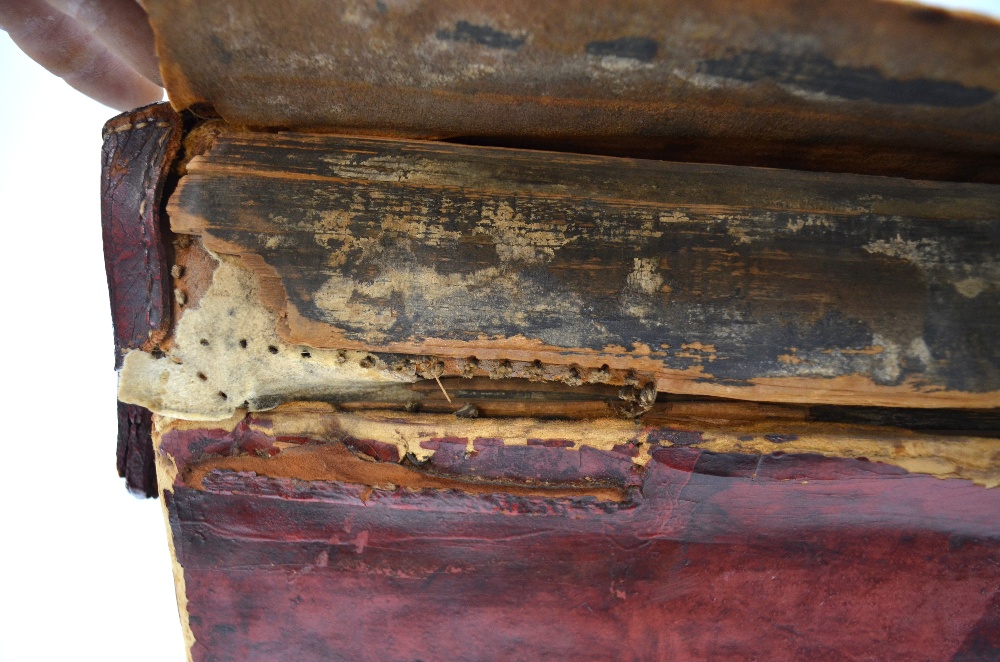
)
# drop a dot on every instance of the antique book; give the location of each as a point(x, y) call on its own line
point(461, 330)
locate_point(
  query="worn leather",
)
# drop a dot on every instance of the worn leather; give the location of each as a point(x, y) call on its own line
point(135, 450)
point(139, 149)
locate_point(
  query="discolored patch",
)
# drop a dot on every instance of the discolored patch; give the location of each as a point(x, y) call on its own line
point(817, 73)
point(483, 35)
point(642, 49)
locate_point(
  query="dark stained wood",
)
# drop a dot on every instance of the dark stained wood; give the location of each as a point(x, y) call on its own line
point(850, 86)
point(715, 280)
point(710, 556)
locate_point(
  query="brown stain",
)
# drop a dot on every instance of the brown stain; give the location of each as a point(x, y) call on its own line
point(334, 462)
point(193, 274)
point(199, 141)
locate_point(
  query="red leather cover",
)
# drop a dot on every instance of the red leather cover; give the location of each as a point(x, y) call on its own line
point(708, 557)
point(139, 149)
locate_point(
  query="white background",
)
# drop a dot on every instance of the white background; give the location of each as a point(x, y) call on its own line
point(84, 568)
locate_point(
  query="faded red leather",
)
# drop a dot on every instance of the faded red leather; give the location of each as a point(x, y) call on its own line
point(139, 149)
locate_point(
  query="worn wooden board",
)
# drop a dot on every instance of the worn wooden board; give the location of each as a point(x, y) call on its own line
point(727, 281)
point(292, 547)
point(849, 86)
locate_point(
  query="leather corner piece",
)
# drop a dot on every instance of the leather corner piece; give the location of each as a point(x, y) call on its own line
point(139, 149)
point(135, 450)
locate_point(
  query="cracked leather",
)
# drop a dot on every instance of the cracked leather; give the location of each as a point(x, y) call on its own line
point(139, 149)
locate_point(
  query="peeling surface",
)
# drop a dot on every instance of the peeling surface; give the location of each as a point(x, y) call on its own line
point(808, 287)
point(408, 432)
point(966, 457)
point(227, 354)
point(518, 240)
point(335, 463)
point(486, 299)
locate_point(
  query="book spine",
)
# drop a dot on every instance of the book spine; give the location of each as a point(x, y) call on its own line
point(139, 149)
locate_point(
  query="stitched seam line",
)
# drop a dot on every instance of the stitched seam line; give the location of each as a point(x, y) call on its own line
point(145, 234)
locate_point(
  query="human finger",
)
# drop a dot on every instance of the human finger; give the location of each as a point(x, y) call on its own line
point(122, 26)
point(59, 44)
